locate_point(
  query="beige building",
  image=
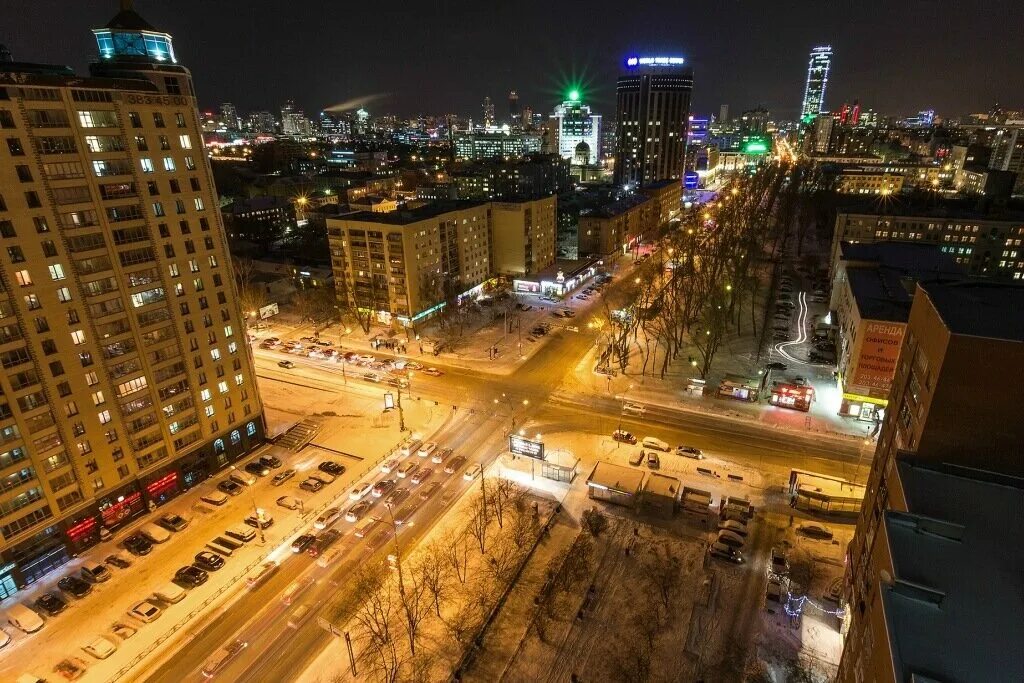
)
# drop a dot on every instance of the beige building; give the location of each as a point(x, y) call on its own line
point(873, 180)
point(617, 227)
point(523, 235)
point(126, 373)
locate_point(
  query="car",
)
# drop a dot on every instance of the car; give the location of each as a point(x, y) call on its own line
point(359, 491)
point(779, 563)
point(190, 576)
point(730, 538)
point(323, 542)
point(217, 498)
point(302, 542)
point(282, 477)
point(50, 603)
point(382, 487)
point(155, 533)
point(421, 475)
point(623, 436)
point(690, 452)
point(208, 561)
point(273, 340)
point(735, 526)
point(222, 657)
point(145, 611)
point(270, 461)
point(473, 472)
point(311, 485)
point(538, 331)
point(266, 345)
point(137, 544)
point(118, 560)
point(322, 477)
point(389, 465)
point(357, 511)
point(259, 521)
point(332, 468)
point(327, 518)
point(429, 490)
point(454, 464)
point(286, 364)
point(242, 478)
point(724, 552)
point(815, 530)
point(634, 408)
point(396, 496)
point(71, 668)
point(427, 449)
point(230, 487)
point(433, 372)
point(95, 572)
point(371, 377)
point(172, 522)
point(123, 630)
point(407, 469)
point(257, 468)
point(289, 502)
point(653, 461)
point(440, 456)
point(656, 444)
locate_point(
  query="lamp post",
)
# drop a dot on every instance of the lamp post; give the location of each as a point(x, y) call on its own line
point(511, 409)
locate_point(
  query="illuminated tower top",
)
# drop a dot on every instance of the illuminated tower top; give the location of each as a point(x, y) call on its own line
point(130, 38)
point(817, 81)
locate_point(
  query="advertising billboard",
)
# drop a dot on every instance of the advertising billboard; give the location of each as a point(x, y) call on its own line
point(519, 445)
point(879, 351)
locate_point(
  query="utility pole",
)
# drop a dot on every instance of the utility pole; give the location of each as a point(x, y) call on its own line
point(401, 413)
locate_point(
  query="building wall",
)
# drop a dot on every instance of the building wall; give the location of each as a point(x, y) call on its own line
point(606, 235)
point(668, 200)
point(523, 236)
point(869, 183)
point(125, 358)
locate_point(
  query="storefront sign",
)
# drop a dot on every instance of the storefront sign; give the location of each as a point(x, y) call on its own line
point(519, 445)
point(879, 352)
point(267, 311)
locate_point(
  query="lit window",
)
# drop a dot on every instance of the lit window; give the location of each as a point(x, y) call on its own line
point(222, 387)
point(239, 378)
point(209, 411)
point(97, 398)
point(104, 417)
point(23, 278)
point(57, 271)
point(199, 203)
point(78, 337)
point(185, 141)
point(169, 164)
point(147, 165)
point(63, 295)
point(215, 354)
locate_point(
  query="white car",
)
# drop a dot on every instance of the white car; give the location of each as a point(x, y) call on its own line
point(734, 526)
point(100, 647)
point(427, 449)
point(473, 472)
point(389, 465)
point(329, 517)
point(656, 444)
point(360, 491)
point(289, 502)
point(634, 408)
point(145, 611)
point(322, 477)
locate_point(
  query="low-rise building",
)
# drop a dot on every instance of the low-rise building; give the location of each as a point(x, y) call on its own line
point(667, 196)
point(618, 226)
point(504, 144)
point(873, 180)
point(615, 484)
point(660, 494)
point(374, 204)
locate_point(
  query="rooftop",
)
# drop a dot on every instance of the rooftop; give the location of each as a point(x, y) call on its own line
point(953, 610)
point(662, 485)
point(258, 204)
point(921, 204)
point(979, 309)
point(414, 215)
point(616, 478)
point(881, 293)
point(915, 259)
point(618, 207)
point(129, 20)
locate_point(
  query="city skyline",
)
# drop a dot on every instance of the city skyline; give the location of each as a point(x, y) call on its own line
point(767, 67)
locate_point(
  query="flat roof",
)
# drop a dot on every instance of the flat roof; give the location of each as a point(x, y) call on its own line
point(920, 259)
point(616, 478)
point(414, 215)
point(662, 485)
point(617, 207)
point(897, 207)
point(979, 309)
point(953, 611)
point(880, 293)
point(568, 267)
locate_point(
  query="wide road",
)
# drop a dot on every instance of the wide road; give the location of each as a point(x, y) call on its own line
point(276, 651)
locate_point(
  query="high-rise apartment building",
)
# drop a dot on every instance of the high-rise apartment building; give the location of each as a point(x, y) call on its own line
point(652, 110)
point(513, 108)
point(127, 375)
point(1008, 154)
point(577, 125)
point(817, 80)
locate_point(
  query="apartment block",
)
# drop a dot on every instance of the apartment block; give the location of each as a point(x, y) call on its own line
point(523, 236)
point(617, 227)
point(127, 375)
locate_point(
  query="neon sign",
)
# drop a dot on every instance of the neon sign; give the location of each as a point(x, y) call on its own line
point(654, 61)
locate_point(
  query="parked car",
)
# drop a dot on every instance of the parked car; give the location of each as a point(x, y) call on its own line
point(311, 485)
point(653, 461)
point(357, 511)
point(259, 522)
point(242, 478)
point(51, 604)
point(473, 472)
point(118, 560)
point(322, 477)
point(455, 464)
point(322, 542)
point(815, 530)
point(289, 502)
point(172, 522)
point(208, 561)
point(779, 563)
point(724, 552)
point(656, 444)
point(154, 533)
point(327, 518)
point(100, 647)
point(622, 436)
point(422, 474)
point(302, 542)
point(690, 452)
point(282, 477)
point(730, 538)
point(257, 468)
point(123, 631)
point(190, 576)
point(145, 611)
point(332, 468)
point(270, 461)
point(382, 487)
point(95, 572)
point(230, 487)
point(217, 498)
point(137, 544)
point(735, 526)
point(286, 364)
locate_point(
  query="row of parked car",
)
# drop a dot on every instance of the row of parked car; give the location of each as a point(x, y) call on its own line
point(319, 350)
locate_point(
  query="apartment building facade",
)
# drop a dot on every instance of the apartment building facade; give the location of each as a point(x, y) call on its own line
point(127, 375)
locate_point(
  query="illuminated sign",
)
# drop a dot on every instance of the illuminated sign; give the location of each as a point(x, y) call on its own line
point(268, 310)
point(755, 148)
point(519, 445)
point(654, 61)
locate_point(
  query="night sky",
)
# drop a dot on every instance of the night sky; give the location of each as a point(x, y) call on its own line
point(896, 56)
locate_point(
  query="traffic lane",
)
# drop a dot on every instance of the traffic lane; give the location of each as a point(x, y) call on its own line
point(295, 649)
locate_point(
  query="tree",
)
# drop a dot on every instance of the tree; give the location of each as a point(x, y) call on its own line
point(252, 295)
point(412, 592)
point(375, 622)
point(662, 573)
point(434, 575)
point(594, 521)
point(456, 555)
point(478, 523)
point(708, 336)
point(503, 497)
point(315, 306)
point(575, 566)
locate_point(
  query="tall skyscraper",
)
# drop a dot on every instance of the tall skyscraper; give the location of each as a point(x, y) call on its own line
point(127, 375)
point(577, 126)
point(817, 81)
point(513, 108)
point(229, 117)
point(488, 112)
point(652, 110)
point(723, 113)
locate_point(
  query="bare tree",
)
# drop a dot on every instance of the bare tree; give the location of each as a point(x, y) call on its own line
point(412, 592)
point(576, 561)
point(594, 521)
point(478, 523)
point(662, 569)
point(252, 295)
point(434, 575)
point(375, 623)
point(504, 495)
point(456, 555)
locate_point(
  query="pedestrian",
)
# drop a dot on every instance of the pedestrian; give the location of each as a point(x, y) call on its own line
point(421, 349)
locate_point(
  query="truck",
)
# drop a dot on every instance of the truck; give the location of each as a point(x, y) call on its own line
point(734, 507)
